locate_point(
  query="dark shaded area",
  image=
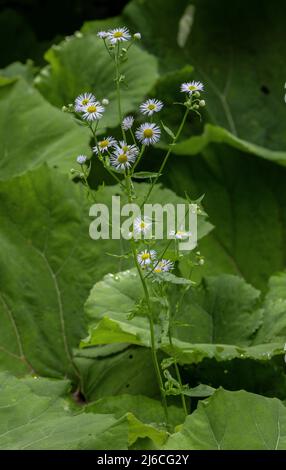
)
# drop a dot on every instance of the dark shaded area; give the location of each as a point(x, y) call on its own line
point(28, 27)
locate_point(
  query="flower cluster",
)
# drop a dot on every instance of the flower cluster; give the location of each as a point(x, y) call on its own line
point(193, 91)
point(120, 158)
point(121, 155)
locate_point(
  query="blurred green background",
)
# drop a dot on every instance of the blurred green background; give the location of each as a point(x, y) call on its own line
point(27, 27)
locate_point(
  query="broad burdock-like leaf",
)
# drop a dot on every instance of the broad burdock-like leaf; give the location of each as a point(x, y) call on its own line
point(34, 132)
point(116, 369)
point(48, 265)
point(81, 63)
point(145, 416)
point(219, 321)
point(31, 421)
point(217, 424)
point(274, 315)
point(244, 91)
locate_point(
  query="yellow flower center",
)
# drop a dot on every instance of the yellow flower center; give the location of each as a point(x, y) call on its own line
point(148, 133)
point(103, 144)
point(118, 34)
point(142, 225)
point(122, 158)
point(151, 107)
point(158, 269)
point(85, 101)
point(145, 256)
point(92, 109)
point(192, 87)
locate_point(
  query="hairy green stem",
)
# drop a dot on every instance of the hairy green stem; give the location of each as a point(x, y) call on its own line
point(138, 159)
point(177, 370)
point(102, 159)
point(117, 79)
point(150, 317)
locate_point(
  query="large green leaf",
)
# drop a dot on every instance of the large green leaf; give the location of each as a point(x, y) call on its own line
point(46, 248)
point(233, 421)
point(145, 416)
point(29, 421)
point(244, 92)
point(33, 132)
point(216, 134)
point(219, 321)
point(246, 201)
point(81, 63)
point(116, 370)
point(48, 264)
point(274, 321)
point(264, 377)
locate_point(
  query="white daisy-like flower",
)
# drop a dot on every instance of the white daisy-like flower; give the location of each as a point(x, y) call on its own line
point(148, 133)
point(81, 159)
point(151, 106)
point(191, 87)
point(146, 257)
point(93, 111)
point(180, 234)
point(102, 34)
point(118, 35)
point(127, 122)
point(131, 150)
point(83, 100)
point(142, 226)
point(163, 266)
point(105, 144)
point(122, 160)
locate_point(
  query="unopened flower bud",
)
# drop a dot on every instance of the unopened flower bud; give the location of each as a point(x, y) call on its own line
point(64, 109)
point(105, 101)
point(81, 159)
point(72, 170)
point(137, 36)
point(196, 106)
point(202, 103)
point(197, 94)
